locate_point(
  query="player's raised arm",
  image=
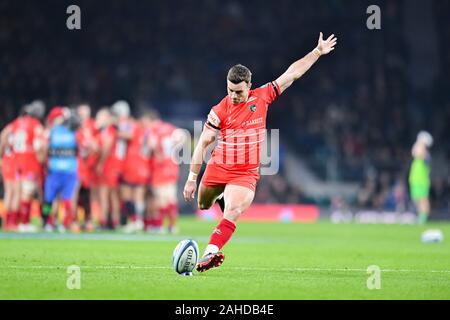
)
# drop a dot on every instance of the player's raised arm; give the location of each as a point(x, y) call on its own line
point(206, 138)
point(299, 67)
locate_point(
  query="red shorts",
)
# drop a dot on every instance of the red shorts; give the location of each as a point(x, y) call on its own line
point(164, 173)
point(88, 178)
point(110, 178)
point(136, 172)
point(87, 172)
point(112, 174)
point(215, 176)
point(9, 171)
point(29, 169)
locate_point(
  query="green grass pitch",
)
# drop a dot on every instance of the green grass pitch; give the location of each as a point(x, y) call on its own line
point(266, 261)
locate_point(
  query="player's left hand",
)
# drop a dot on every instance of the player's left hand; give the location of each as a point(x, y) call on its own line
point(326, 46)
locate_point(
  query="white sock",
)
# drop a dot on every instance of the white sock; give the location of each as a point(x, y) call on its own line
point(140, 209)
point(211, 248)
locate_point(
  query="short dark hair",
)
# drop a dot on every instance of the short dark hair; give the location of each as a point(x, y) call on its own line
point(239, 73)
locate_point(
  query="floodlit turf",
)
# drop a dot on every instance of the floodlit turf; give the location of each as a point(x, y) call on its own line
point(263, 261)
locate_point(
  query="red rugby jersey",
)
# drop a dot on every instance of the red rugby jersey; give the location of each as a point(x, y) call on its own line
point(27, 138)
point(242, 128)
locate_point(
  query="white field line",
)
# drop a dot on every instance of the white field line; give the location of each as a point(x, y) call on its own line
point(232, 268)
point(123, 237)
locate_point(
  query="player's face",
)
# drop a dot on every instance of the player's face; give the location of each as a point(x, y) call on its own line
point(238, 93)
point(84, 111)
point(102, 119)
point(146, 121)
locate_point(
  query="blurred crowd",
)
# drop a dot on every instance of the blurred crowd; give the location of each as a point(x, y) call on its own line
point(350, 118)
point(114, 167)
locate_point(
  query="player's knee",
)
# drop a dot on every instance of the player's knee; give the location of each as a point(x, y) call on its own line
point(234, 210)
point(204, 205)
point(28, 189)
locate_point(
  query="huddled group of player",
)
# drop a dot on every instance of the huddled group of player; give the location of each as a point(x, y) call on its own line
point(121, 165)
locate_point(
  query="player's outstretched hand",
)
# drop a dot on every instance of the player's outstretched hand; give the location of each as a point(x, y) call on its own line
point(326, 46)
point(189, 190)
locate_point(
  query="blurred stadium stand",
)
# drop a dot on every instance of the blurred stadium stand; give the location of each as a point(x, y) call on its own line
point(347, 127)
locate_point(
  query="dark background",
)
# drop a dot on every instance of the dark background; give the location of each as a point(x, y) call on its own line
point(352, 119)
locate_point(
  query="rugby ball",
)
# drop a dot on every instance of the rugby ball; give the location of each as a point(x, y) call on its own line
point(432, 235)
point(185, 257)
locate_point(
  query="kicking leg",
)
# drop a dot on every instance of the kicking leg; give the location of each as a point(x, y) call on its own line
point(237, 200)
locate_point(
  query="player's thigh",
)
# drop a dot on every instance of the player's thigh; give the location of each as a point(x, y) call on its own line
point(170, 192)
point(69, 186)
point(114, 197)
point(16, 186)
point(237, 200)
point(27, 187)
point(8, 186)
point(126, 192)
point(207, 195)
point(50, 188)
point(161, 196)
point(103, 190)
point(93, 193)
point(15, 201)
point(103, 195)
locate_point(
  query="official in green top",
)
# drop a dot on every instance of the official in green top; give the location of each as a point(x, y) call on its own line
point(419, 175)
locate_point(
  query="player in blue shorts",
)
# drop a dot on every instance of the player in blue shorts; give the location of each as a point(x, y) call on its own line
point(62, 178)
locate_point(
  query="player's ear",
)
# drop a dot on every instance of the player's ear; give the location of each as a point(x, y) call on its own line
point(249, 85)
